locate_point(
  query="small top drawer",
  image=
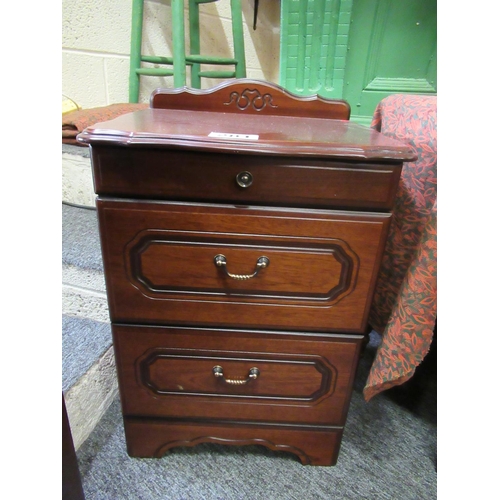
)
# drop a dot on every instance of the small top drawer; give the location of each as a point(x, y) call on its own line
point(183, 175)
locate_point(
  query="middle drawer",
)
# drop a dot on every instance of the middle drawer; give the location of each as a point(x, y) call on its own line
point(169, 263)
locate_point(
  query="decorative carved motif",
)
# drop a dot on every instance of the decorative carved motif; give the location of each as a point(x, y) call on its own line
point(250, 97)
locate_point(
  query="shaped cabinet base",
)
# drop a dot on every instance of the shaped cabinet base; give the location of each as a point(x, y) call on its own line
point(153, 438)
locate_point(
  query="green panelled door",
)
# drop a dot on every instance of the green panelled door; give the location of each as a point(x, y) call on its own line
point(391, 49)
point(313, 46)
point(358, 50)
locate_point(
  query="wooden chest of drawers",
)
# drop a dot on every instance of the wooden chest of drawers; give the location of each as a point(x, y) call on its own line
point(242, 230)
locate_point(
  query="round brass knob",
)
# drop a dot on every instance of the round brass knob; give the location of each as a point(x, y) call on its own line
point(244, 179)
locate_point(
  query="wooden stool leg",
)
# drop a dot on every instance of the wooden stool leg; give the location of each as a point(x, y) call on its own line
point(239, 45)
point(179, 43)
point(194, 41)
point(135, 50)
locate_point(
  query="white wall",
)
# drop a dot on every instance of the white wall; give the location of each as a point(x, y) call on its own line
point(96, 45)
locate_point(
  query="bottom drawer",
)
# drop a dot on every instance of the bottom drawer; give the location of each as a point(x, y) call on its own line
point(235, 375)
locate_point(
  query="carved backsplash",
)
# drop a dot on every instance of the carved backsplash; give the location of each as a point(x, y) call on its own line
point(250, 97)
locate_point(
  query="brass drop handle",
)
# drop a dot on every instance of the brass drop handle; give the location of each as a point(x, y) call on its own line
point(221, 261)
point(253, 373)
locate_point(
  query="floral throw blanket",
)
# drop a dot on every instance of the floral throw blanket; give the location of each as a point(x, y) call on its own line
point(404, 305)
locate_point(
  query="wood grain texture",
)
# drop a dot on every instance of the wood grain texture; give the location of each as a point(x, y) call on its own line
point(167, 372)
point(246, 96)
point(316, 290)
point(265, 118)
point(153, 438)
point(316, 202)
point(211, 177)
point(282, 136)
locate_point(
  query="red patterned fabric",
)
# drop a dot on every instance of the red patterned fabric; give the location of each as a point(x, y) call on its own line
point(404, 305)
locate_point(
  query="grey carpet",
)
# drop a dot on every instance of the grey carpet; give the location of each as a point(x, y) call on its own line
point(388, 452)
point(80, 238)
point(84, 341)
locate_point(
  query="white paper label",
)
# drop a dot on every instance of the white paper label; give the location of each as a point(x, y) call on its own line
point(224, 135)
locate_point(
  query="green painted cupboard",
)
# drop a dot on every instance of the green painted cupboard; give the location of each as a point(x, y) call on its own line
point(358, 50)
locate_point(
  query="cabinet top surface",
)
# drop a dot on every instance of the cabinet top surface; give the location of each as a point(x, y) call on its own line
point(247, 117)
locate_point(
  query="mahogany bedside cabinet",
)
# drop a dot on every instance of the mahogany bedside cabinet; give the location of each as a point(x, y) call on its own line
point(241, 229)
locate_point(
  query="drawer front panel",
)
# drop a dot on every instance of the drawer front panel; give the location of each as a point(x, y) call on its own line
point(170, 372)
point(186, 175)
point(160, 261)
point(163, 262)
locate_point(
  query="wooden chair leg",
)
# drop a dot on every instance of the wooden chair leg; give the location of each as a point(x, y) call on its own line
point(194, 41)
point(135, 50)
point(71, 480)
point(179, 44)
point(238, 41)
